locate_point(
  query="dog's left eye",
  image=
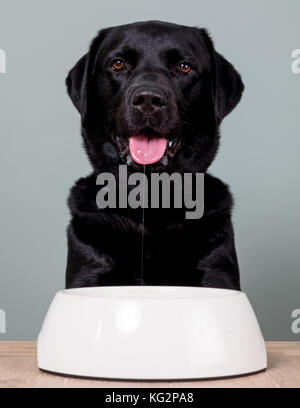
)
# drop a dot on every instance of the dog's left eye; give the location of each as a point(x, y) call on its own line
point(118, 64)
point(185, 68)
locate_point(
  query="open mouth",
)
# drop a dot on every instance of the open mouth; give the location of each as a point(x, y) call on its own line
point(147, 147)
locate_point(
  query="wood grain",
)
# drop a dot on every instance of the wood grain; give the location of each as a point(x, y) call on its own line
point(18, 369)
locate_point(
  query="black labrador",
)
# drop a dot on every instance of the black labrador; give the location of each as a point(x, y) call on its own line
point(151, 96)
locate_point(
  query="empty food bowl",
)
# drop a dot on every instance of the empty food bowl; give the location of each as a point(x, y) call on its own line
point(151, 333)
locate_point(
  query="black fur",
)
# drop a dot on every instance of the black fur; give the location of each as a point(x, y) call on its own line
point(105, 245)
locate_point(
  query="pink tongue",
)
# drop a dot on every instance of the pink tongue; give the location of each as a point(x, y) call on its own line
point(147, 150)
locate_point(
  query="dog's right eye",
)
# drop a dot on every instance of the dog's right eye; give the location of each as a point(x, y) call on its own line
point(118, 64)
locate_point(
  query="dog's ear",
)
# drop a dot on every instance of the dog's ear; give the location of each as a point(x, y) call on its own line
point(77, 86)
point(227, 86)
point(79, 79)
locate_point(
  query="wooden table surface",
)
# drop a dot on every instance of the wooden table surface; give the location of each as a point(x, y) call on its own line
point(18, 369)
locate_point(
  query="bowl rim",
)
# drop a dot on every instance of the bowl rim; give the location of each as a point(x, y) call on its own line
point(151, 293)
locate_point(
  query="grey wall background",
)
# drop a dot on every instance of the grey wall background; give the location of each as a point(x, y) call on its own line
point(41, 153)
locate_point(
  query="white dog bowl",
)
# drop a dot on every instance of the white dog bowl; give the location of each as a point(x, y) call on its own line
point(151, 333)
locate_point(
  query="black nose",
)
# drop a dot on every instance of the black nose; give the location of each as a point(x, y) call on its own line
point(148, 100)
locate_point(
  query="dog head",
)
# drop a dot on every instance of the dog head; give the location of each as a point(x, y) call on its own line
point(153, 94)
